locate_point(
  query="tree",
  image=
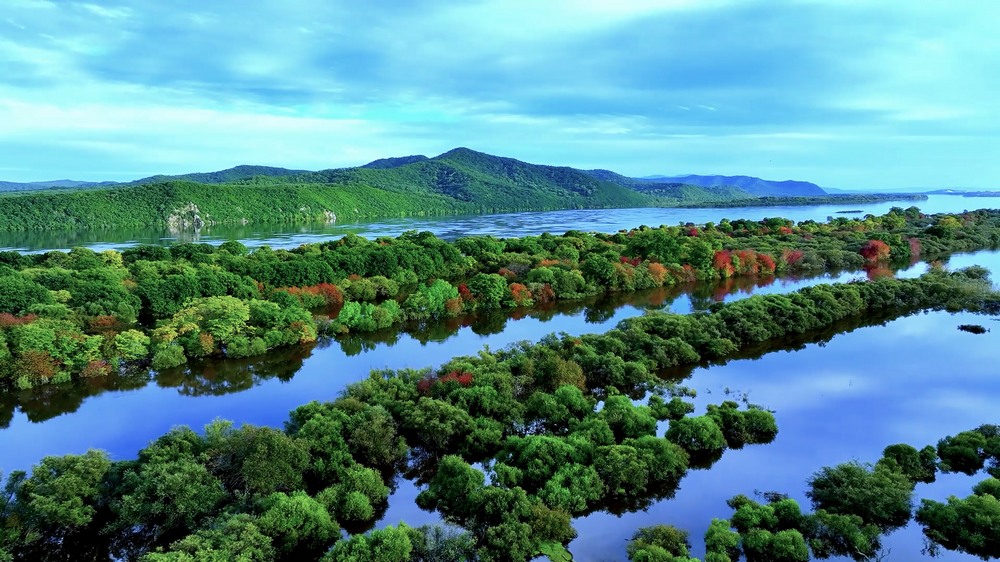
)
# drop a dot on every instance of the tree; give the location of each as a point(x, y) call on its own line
point(300, 526)
point(164, 499)
point(489, 290)
point(962, 452)
point(132, 345)
point(700, 436)
point(259, 460)
point(721, 543)
point(18, 294)
point(875, 251)
point(57, 505)
point(671, 540)
point(235, 538)
point(918, 466)
point(878, 495)
point(441, 544)
point(970, 525)
point(391, 544)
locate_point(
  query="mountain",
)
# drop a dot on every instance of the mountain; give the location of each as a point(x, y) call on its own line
point(679, 192)
point(225, 176)
point(385, 163)
point(459, 181)
point(36, 185)
point(754, 186)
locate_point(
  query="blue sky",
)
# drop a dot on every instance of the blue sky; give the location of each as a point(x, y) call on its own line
point(851, 94)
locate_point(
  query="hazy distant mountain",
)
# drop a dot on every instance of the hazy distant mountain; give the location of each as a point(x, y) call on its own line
point(225, 176)
point(754, 186)
point(35, 185)
point(658, 187)
point(386, 163)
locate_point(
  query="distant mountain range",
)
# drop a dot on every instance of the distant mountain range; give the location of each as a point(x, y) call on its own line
point(672, 187)
point(54, 184)
point(754, 186)
point(460, 181)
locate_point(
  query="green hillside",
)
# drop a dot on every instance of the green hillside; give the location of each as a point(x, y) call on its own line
point(225, 176)
point(457, 182)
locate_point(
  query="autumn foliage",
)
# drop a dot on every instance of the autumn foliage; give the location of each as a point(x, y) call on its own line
point(875, 251)
point(8, 320)
point(791, 257)
point(427, 384)
point(520, 295)
point(323, 294)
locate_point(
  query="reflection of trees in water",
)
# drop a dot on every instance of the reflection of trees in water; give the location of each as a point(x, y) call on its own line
point(224, 376)
point(48, 401)
point(216, 377)
point(790, 342)
point(7, 405)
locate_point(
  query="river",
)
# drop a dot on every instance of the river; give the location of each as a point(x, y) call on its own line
point(450, 227)
point(912, 380)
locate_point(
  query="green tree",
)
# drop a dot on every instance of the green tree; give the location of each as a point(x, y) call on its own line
point(878, 495)
point(970, 525)
point(391, 544)
point(300, 526)
point(658, 541)
point(18, 294)
point(234, 538)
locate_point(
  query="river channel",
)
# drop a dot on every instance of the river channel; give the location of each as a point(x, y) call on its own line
point(450, 227)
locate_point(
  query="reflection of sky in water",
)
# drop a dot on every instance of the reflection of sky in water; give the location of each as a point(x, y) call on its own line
point(914, 380)
point(449, 227)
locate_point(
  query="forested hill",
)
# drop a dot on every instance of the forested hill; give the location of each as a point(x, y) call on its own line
point(54, 184)
point(453, 183)
point(458, 181)
point(384, 163)
point(754, 186)
point(225, 176)
point(683, 193)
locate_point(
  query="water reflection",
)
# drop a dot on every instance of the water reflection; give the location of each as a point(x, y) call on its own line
point(911, 380)
point(839, 394)
point(450, 227)
point(215, 377)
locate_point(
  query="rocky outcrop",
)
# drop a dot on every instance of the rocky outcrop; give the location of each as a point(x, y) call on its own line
point(185, 218)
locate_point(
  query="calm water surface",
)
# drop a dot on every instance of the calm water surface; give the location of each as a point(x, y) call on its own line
point(449, 227)
point(836, 398)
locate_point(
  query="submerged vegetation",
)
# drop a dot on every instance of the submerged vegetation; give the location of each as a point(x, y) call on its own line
point(86, 314)
point(509, 445)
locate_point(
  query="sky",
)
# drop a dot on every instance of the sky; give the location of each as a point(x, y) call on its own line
point(849, 94)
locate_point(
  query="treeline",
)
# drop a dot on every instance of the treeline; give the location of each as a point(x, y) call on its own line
point(218, 376)
point(510, 445)
point(831, 199)
point(854, 505)
point(86, 314)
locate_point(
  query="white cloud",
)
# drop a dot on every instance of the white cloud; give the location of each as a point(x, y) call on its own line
point(105, 12)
